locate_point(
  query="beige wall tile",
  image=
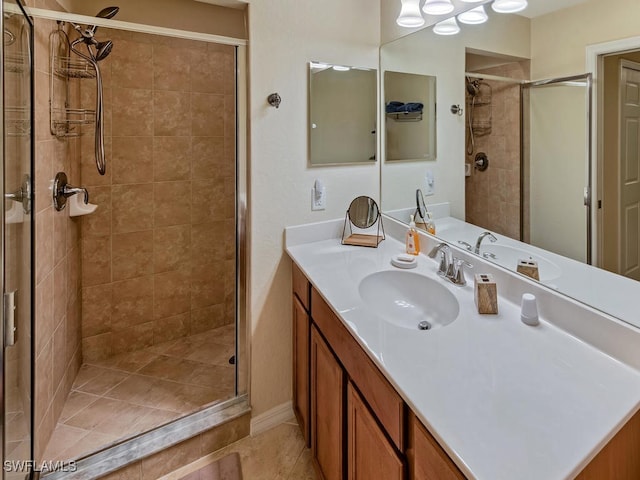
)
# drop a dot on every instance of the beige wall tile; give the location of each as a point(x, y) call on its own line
point(96, 309)
point(125, 65)
point(207, 72)
point(171, 113)
point(132, 112)
point(44, 314)
point(132, 302)
point(132, 208)
point(171, 328)
point(132, 159)
point(206, 287)
point(172, 294)
point(171, 248)
point(207, 318)
point(208, 159)
point(209, 242)
point(171, 159)
point(59, 363)
point(207, 115)
point(133, 338)
point(132, 255)
point(97, 347)
point(44, 245)
point(211, 201)
point(171, 67)
point(172, 203)
point(96, 260)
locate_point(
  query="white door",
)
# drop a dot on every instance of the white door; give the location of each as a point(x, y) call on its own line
point(629, 251)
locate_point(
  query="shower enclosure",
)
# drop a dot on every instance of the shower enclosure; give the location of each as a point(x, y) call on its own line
point(529, 143)
point(138, 306)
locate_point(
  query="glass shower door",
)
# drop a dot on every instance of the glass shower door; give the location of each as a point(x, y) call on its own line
point(556, 166)
point(17, 240)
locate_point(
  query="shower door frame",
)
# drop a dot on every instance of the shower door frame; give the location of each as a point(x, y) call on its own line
point(29, 465)
point(588, 189)
point(109, 459)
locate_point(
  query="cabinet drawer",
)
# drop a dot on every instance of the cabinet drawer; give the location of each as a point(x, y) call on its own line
point(382, 398)
point(301, 286)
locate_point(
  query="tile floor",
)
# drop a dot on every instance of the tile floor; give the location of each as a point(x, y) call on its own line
point(277, 454)
point(130, 393)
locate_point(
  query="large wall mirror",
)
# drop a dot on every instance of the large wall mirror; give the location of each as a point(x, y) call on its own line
point(519, 162)
point(342, 114)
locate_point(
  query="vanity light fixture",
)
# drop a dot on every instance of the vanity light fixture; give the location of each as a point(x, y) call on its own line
point(340, 68)
point(447, 27)
point(509, 6)
point(438, 7)
point(472, 1)
point(410, 15)
point(475, 16)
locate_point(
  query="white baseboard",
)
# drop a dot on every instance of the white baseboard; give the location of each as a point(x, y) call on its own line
point(272, 418)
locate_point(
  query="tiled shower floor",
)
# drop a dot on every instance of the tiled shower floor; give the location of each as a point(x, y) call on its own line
point(130, 393)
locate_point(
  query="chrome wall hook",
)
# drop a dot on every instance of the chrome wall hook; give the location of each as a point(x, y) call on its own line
point(457, 110)
point(274, 100)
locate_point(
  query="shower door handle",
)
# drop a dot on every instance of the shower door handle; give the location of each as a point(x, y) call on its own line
point(10, 318)
point(587, 196)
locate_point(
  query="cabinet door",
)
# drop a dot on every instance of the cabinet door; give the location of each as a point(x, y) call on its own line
point(327, 411)
point(370, 455)
point(301, 366)
point(427, 460)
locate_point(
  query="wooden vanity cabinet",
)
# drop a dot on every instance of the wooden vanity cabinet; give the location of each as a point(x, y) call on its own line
point(327, 410)
point(427, 460)
point(369, 453)
point(301, 354)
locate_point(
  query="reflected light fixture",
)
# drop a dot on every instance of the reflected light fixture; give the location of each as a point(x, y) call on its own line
point(410, 15)
point(341, 68)
point(509, 6)
point(472, 1)
point(437, 7)
point(475, 16)
point(447, 27)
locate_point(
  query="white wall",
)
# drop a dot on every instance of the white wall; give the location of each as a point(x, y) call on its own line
point(284, 35)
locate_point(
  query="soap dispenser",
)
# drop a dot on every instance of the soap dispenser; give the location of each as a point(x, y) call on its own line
point(412, 239)
point(431, 225)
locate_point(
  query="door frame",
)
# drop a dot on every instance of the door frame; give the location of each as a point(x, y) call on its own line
point(595, 65)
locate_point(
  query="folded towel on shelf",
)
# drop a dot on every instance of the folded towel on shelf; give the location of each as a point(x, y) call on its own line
point(399, 107)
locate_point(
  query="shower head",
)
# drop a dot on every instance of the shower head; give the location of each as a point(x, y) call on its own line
point(107, 12)
point(103, 49)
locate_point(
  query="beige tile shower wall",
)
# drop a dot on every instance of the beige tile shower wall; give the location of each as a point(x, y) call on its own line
point(57, 255)
point(158, 256)
point(492, 197)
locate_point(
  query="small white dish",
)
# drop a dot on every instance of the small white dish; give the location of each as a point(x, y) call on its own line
point(404, 260)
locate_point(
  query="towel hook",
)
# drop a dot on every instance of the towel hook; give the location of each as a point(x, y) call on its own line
point(274, 100)
point(456, 110)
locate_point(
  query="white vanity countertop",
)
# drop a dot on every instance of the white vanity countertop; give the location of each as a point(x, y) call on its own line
point(505, 400)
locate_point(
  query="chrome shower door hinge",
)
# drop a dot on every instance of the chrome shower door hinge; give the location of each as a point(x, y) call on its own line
point(10, 318)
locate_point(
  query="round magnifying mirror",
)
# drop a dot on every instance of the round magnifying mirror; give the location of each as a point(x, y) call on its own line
point(363, 212)
point(421, 208)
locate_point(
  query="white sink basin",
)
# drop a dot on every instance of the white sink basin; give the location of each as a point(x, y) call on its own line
point(406, 299)
point(508, 257)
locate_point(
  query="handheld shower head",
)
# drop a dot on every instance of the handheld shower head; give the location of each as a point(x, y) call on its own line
point(473, 87)
point(103, 49)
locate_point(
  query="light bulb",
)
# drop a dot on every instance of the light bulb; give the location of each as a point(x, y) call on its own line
point(509, 6)
point(475, 16)
point(447, 27)
point(410, 15)
point(437, 7)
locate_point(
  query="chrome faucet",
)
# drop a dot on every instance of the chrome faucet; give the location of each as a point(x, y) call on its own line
point(481, 237)
point(450, 267)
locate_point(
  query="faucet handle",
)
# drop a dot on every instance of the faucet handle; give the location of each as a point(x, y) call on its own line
point(458, 265)
point(465, 245)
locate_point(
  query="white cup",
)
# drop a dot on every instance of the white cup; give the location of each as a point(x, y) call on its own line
point(529, 313)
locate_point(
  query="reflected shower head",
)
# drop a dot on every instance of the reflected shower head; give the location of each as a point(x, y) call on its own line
point(473, 86)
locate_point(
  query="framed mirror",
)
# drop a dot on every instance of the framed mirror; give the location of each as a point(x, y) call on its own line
point(342, 114)
point(410, 116)
point(534, 108)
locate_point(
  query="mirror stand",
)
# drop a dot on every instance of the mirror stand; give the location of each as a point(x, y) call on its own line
point(363, 214)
